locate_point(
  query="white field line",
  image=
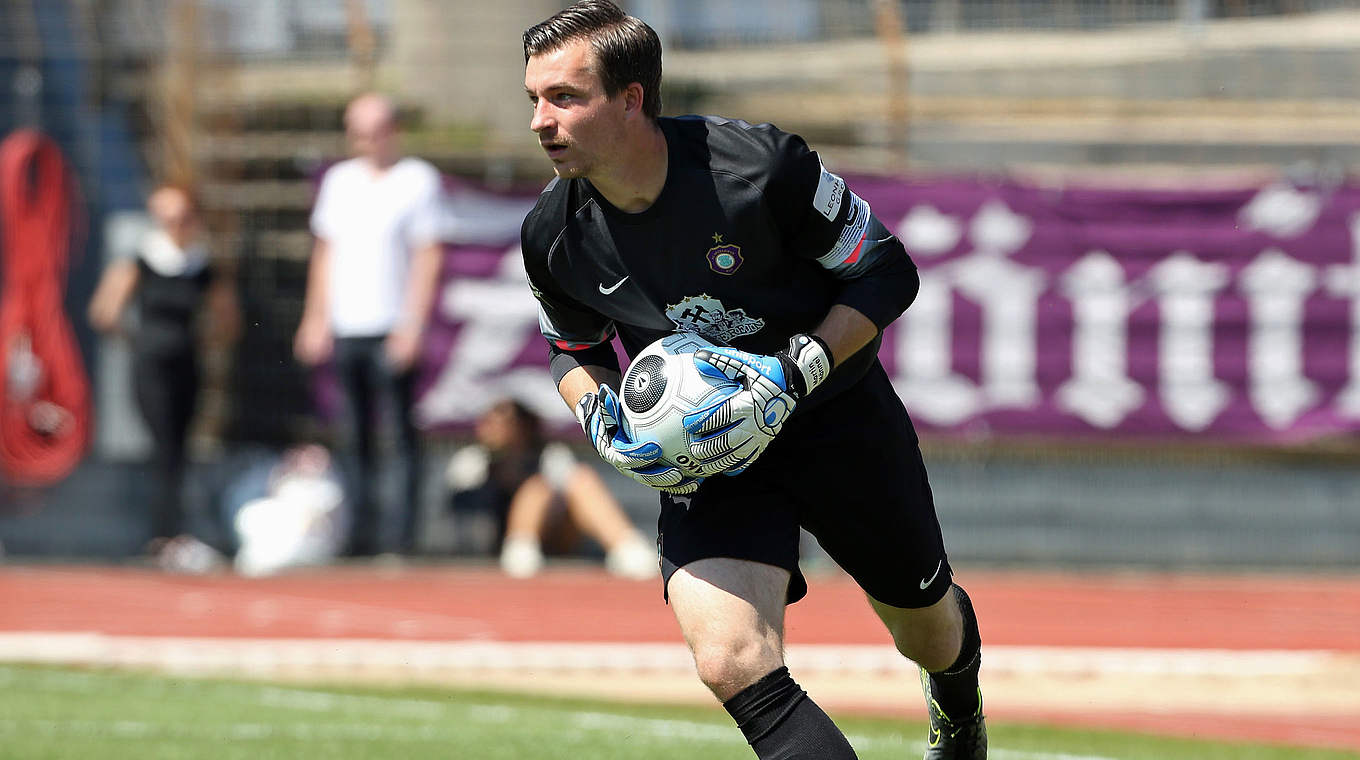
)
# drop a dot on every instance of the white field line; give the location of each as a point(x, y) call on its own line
point(268, 655)
point(328, 616)
point(440, 722)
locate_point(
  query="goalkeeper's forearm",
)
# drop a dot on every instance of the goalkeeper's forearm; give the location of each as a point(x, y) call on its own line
point(585, 379)
point(845, 331)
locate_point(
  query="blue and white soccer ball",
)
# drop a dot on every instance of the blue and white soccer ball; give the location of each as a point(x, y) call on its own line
point(667, 400)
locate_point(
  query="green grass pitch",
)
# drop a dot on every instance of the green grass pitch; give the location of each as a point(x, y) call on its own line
point(57, 713)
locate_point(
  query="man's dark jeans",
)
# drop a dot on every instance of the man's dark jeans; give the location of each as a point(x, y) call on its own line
point(371, 391)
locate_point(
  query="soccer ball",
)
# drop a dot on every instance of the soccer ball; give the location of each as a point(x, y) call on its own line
point(666, 398)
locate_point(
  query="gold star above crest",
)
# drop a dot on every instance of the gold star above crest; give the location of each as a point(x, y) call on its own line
point(717, 238)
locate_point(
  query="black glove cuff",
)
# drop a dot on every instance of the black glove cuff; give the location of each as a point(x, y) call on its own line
point(830, 358)
point(807, 363)
point(585, 408)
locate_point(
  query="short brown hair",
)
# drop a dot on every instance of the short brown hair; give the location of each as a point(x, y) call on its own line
point(626, 48)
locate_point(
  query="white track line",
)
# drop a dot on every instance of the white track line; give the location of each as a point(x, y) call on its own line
point(268, 655)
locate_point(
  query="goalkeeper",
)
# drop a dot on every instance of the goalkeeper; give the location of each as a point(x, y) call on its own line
point(737, 232)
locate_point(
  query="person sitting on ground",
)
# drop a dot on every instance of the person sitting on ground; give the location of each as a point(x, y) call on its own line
point(287, 511)
point(542, 496)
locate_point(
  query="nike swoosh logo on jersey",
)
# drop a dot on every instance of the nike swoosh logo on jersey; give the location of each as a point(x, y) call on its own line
point(613, 287)
point(926, 583)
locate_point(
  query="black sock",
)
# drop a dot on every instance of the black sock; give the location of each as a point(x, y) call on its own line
point(955, 688)
point(782, 723)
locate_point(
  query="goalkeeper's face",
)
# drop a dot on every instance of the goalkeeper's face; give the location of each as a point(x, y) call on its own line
point(577, 124)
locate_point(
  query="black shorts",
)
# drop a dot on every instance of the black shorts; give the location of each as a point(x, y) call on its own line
point(850, 472)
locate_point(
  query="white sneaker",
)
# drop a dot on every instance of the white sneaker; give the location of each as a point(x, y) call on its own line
point(186, 554)
point(634, 559)
point(521, 557)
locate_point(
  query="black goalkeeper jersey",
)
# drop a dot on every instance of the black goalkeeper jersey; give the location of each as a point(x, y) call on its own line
point(750, 241)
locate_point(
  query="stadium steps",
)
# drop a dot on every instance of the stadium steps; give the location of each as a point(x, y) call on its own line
point(1245, 93)
point(258, 160)
point(986, 133)
point(261, 154)
point(255, 195)
point(1165, 60)
point(294, 245)
point(1231, 122)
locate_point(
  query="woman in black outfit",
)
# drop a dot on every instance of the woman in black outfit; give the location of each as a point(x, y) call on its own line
point(169, 280)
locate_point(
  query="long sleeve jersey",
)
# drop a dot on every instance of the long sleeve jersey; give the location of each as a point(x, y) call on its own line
point(750, 241)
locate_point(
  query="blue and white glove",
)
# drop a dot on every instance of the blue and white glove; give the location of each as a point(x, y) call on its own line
point(771, 387)
point(599, 415)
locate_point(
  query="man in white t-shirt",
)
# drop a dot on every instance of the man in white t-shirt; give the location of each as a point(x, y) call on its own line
point(370, 285)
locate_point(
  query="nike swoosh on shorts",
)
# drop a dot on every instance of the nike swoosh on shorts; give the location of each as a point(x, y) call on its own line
point(926, 583)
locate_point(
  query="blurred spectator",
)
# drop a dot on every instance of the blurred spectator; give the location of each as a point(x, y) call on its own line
point(286, 511)
point(172, 283)
point(369, 289)
point(542, 496)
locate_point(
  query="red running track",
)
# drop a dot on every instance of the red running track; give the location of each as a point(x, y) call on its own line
point(578, 604)
point(1255, 611)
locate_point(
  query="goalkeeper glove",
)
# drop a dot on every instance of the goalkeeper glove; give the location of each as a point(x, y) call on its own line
point(772, 385)
point(599, 415)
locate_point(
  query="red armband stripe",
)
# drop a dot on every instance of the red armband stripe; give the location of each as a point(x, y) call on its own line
point(854, 255)
point(569, 346)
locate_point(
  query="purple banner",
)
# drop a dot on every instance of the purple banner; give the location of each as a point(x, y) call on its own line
point(1232, 313)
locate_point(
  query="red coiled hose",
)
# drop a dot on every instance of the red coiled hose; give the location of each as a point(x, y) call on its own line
point(45, 415)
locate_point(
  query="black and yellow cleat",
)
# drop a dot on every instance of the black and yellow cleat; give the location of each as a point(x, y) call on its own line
point(948, 739)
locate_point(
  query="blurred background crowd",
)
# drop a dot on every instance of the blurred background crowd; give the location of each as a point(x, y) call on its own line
point(1138, 338)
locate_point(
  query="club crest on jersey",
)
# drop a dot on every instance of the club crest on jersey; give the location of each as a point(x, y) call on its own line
point(724, 258)
point(708, 317)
